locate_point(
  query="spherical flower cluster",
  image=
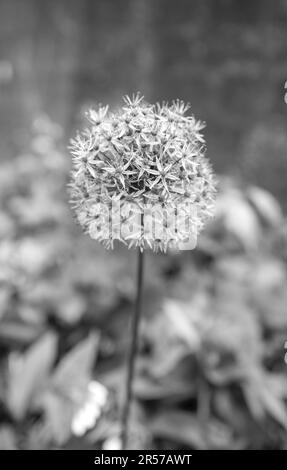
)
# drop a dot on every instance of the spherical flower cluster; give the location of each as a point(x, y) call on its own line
point(140, 175)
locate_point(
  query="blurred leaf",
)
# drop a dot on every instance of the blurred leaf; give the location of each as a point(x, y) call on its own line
point(177, 324)
point(7, 438)
point(273, 395)
point(268, 274)
point(76, 367)
point(5, 297)
point(265, 394)
point(228, 407)
point(254, 403)
point(36, 255)
point(58, 416)
point(68, 389)
point(238, 218)
point(7, 227)
point(169, 388)
point(17, 334)
point(178, 426)
point(71, 308)
point(266, 205)
point(183, 324)
point(29, 372)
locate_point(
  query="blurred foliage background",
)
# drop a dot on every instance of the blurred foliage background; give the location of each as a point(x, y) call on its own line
point(211, 371)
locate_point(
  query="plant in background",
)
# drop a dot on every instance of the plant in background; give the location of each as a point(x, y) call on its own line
point(212, 373)
point(140, 176)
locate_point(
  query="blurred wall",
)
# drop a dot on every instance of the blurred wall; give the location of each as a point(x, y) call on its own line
point(227, 57)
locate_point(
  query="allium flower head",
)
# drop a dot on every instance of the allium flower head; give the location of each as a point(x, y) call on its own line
point(140, 175)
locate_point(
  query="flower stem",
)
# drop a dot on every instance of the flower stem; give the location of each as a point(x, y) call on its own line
point(132, 352)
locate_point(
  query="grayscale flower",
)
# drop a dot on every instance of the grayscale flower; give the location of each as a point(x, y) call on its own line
point(142, 159)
